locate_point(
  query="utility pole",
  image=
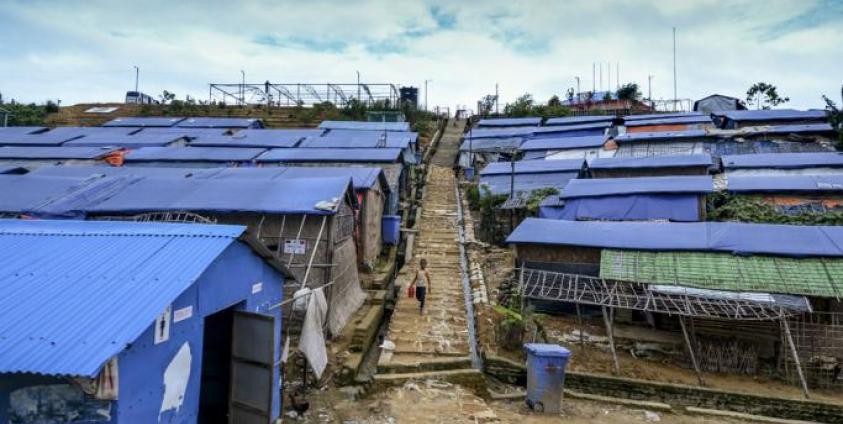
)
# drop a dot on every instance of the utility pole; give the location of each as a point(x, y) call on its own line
point(609, 76)
point(578, 87)
point(497, 109)
point(593, 77)
point(358, 87)
point(601, 76)
point(243, 87)
point(618, 74)
point(425, 93)
point(137, 76)
point(675, 96)
point(650, 89)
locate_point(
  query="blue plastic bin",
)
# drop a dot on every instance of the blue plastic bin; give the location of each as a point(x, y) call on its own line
point(391, 229)
point(545, 376)
point(469, 173)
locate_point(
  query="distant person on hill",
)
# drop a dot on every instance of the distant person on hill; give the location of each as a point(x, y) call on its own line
point(422, 284)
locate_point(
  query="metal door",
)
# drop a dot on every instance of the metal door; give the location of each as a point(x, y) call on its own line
point(252, 362)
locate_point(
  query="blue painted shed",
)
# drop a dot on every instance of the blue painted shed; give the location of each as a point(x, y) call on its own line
point(119, 322)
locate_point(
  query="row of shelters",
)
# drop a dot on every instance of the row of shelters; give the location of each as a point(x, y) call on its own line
point(171, 248)
point(723, 226)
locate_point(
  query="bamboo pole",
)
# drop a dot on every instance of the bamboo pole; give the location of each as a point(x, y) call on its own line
point(691, 351)
point(610, 333)
point(795, 358)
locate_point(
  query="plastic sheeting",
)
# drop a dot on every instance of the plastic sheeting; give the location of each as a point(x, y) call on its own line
point(135, 141)
point(193, 154)
point(491, 145)
point(691, 119)
point(500, 184)
point(346, 294)
point(576, 120)
point(596, 187)
point(772, 115)
point(25, 152)
point(665, 161)
point(365, 126)
point(815, 183)
point(220, 123)
point(799, 303)
point(660, 135)
point(376, 155)
point(732, 237)
point(783, 160)
point(144, 121)
point(638, 207)
point(269, 138)
point(510, 122)
point(312, 340)
point(534, 167)
point(563, 143)
point(629, 118)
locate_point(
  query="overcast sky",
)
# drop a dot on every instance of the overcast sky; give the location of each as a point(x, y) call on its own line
point(84, 51)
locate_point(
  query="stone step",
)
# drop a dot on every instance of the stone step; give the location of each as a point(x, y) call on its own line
point(469, 378)
point(403, 363)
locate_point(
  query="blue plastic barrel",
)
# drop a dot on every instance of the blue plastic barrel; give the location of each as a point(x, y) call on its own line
point(469, 173)
point(545, 376)
point(391, 229)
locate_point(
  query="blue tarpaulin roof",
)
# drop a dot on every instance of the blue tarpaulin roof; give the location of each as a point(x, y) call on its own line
point(7, 170)
point(126, 141)
point(366, 126)
point(732, 237)
point(576, 120)
point(661, 136)
point(87, 171)
point(284, 196)
point(563, 143)
point(330, 142)
point(267, 138)
point(593, 128)
point(412, 137)
point(144, 121)
point(36, 153)
point(26, 193)
point(682, 207)
point(676, 120)
point(220, 123)
point(500, 132)
point(510, 122)
point(54, 137)
point(491, 145)
point(772, 115)
point(84, 290)
point(193, 133)
point(652, 162)
point(648, 116)
point(534, 167)
point(596, 187)
point(7, 132)
point(779, 183)
point(783, 160)
point(193, 154)
point(377, 155)
point(500, 183)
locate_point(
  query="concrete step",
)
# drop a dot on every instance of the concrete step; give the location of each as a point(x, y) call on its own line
point(404, 364)
point(469, 377)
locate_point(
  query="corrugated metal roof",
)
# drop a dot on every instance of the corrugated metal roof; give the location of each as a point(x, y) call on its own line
point(220, 123)
point(534, 166)
point(730, 237)
point(628, 118)
point(193, 154)
point(510, 122)
point(785, 183)
point(266, 138)
point(721, 271)
point(783, 160)
point(144, 121)
point(596, 187)
point(563, 143)
point(52, 152)
point(366, 126)
point(576, 120)
point(668, 161)
point(772, 115)
point(377, 155)
point(84, 290)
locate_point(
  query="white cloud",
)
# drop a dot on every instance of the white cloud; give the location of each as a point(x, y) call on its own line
point(83, 53)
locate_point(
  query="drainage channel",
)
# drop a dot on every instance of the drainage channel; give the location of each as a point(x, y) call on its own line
point(476, 361)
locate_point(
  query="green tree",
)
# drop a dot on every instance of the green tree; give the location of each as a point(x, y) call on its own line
point(629, 92)
point(522, 106)
point(167, 97)
point(554, 100)
point(487, 103)
point(764, 96)
point(835, 118)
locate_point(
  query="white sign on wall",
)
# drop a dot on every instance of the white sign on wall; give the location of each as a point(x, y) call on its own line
point(295, 247)
point(257, 288)
point(162, 325)
point(183, 313)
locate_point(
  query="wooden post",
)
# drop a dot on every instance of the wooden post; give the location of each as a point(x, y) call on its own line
point(795, 357)
point(691, 351)
point(579, 324)
point(522, 291)
point(608, 320)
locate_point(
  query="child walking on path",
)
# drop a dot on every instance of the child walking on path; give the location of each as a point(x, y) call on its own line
point(422, 284)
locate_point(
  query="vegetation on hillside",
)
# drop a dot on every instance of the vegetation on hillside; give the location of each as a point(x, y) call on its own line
point(28, 114)
point(525, 106)
point(835, 118)
point(726, 207)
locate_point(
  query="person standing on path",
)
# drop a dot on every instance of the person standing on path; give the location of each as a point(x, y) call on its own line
point(422, 284)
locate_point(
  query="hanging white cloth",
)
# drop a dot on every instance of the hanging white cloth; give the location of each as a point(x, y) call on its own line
point(312, 341)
